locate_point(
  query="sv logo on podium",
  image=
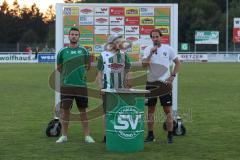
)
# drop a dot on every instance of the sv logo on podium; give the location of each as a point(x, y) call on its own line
point(125, 120)
point(128, 122)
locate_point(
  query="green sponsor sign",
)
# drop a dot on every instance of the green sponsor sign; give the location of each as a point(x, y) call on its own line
point(162, 20)
point(207, 37)
point(67, 29)
point(86, 39)
point(184, 47)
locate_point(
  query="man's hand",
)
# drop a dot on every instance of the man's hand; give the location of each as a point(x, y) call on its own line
point(153, 50)
point(169, 80)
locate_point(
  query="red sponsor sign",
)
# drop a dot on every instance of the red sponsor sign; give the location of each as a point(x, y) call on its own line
point(117, 11)
point(165, 40)
point(132, 21)
point(146, 29)
point(132, 39)
point(236, 35)
point(86, 10)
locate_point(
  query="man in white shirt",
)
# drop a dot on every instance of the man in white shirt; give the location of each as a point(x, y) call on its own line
point(158, 58)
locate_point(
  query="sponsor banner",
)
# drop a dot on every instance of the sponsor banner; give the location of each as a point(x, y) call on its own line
point(100, 39)
point(132, 38)
point(236, 23)
point(86, 30)
point(184, 47)
point(142, 48)
point(86, 11)
point(147, 21)
point(162, 12)
point(117, 21)
point(116, 29)
point(131, 21)
point(145, 39)
point(164, 29)
point(66, 39)
point(89, 48)
point(71, 20)
point(135, 48)
point(117, 11)
point(101, 30)
point(131, 11)
point(162, 21)
point(222, 58)
point(86, 20)
point(86, 39)
point(207, 37)
point(70, 11)
point(146, 29)
point(17, 58)
point(165, 39)
point(134, 57)
point(238, 57)
point(99, 48)
point(131, 29)
point(193, 57)
point(147, 11)
point(46, 58)
point(101, 11)
point(101, 21)
point(236, 35)
point(66, 29)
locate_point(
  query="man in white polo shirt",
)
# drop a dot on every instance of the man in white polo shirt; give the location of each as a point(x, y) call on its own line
point(158, 58)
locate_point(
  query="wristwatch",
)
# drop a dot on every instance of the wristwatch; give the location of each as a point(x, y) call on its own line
point(174, 75)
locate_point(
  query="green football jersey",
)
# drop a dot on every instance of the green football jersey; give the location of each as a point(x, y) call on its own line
point(73, 61)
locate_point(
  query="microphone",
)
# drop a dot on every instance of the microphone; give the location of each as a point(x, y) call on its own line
point(155, 45)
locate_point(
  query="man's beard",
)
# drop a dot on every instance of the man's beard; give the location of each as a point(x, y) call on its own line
point(73, 41)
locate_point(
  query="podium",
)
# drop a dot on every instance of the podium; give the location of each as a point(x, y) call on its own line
point(124, 119)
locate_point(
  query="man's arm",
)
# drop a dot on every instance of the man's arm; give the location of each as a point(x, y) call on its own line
point(87, 60)
point(146, 61)
point(59, 67)
point(100, 68)
point(174, 71)
point(59, 61)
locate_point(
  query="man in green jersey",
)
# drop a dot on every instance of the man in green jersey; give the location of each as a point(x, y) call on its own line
point(73, 62)
point(113, 69)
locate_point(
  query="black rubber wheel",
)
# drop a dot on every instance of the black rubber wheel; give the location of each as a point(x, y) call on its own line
point(180, 132)
point(56, 125)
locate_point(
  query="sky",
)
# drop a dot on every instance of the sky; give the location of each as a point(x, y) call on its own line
point(42, 4)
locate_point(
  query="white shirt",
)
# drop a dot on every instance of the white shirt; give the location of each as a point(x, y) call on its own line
point(159, 69)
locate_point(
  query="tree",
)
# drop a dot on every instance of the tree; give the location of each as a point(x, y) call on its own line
point(49, 16)
point(16, 10)
point(4, 7)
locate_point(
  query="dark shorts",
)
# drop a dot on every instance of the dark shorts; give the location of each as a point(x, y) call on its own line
point(68, 94)
point(159, 90)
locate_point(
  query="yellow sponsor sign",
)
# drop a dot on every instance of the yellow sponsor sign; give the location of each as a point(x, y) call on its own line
point(71, 11)
point(164, 29)
point(162, 12)
point(135, 48)
point(146, 20)
point(88, 47)
point(131, 11)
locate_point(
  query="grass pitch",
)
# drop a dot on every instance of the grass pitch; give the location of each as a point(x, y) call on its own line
point(209, 103)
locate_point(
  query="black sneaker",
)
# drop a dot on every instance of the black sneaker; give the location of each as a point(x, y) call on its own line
point(170, 139)
point(150, 138)
point(104, 139)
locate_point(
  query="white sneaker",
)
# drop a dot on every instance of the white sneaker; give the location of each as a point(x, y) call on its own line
point(89, 139)
point(62, 139)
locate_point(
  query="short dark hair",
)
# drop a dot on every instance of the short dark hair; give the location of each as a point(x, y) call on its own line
point(74, 29)
point(156, 30)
